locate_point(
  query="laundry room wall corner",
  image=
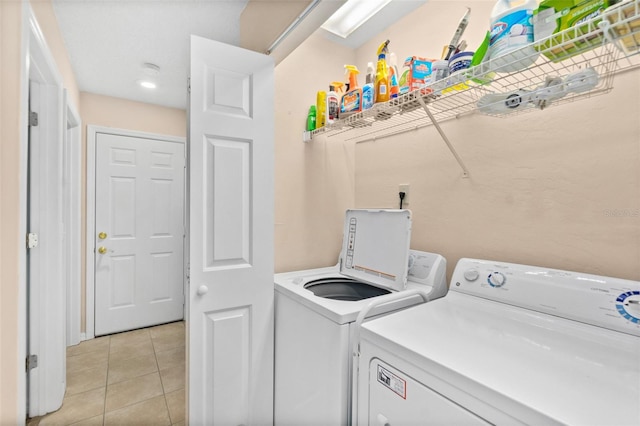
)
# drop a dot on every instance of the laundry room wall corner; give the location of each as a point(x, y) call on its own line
point(314, 181)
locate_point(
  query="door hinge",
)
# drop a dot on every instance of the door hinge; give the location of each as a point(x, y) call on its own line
point(32, 240)
point(33, 119)
point(32, 362)
point(189, 85)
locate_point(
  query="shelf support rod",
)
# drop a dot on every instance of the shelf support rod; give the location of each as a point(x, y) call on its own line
point(465, 171)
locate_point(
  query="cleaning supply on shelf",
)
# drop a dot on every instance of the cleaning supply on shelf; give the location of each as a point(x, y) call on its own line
point(460, 61)
point(311, 119)
point(393, 76)
point(416, 75)
point(554, 16)
point(351, 101)
point(482, 75)
point(333, 102)
point(440, 71)
point(462, 25)
point(511, 44)
point(381, 83)
point(321, 109)
point(368, 89)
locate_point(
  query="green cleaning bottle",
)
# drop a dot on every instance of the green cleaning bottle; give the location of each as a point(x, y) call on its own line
point(311, 118)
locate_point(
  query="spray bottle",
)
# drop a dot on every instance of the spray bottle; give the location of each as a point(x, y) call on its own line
point(368, 95)
point(352, 100)
point(382, 74)
point(333, 101)
point(393, 76)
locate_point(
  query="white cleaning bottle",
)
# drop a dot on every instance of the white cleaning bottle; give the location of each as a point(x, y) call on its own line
point(368, 90)
point(511, 44)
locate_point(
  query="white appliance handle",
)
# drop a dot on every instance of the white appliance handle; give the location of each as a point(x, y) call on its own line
point(356, 337)
point(381, 300)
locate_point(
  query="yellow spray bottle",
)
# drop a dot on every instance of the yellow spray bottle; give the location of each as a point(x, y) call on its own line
point(381, 84)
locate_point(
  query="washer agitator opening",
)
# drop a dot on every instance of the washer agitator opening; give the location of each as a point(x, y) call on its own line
point(344, 289)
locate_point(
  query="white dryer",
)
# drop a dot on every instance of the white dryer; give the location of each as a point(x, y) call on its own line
point(509, 344)
point(315, 311)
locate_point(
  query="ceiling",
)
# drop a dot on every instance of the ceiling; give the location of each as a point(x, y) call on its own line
point(109, 41)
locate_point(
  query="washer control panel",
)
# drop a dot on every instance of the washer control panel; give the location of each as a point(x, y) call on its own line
point(607, 302)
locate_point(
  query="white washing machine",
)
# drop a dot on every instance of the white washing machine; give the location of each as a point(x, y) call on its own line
point(509, 344)
point(315, 311)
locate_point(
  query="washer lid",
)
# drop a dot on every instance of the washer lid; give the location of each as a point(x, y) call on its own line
point(375, 247)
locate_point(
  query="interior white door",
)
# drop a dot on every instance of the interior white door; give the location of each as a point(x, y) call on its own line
point(139, 225)
point(230, 302)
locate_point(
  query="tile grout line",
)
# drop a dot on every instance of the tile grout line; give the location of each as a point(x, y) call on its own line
point(106, 385)
point(164, 393)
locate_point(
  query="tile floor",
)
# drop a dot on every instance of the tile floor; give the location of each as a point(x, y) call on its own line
point(131, 378)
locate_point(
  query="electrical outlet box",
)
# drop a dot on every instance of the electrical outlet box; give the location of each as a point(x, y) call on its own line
point(404, 187)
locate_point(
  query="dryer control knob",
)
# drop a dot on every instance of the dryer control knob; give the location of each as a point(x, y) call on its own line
point(497, 279)
point(471, 274)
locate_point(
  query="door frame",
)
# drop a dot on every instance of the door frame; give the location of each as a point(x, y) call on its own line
point(72, 217)
point(92, 134)
point(37, 390)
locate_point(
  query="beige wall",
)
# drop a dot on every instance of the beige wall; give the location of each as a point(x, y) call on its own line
point(314, 181)
point(10, 107)
point(559, 187)
point(99, 110)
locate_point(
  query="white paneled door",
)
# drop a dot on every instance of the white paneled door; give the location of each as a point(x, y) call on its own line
point(230, 301)
point(139, 227)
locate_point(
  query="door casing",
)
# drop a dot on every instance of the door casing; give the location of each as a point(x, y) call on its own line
point(43, 291)
point(92, 132)
point(72, 218)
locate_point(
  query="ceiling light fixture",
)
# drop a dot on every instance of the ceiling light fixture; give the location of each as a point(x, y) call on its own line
point(351, 15)
point(147, 84)
point(151, 71)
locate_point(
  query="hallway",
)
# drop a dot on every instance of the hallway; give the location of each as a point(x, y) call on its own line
point(135, 377)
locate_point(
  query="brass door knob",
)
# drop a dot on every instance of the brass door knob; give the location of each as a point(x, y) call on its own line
point(102, 250)
point(102, 235)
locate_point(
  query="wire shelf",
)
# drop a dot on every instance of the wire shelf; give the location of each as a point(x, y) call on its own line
point(570, 65)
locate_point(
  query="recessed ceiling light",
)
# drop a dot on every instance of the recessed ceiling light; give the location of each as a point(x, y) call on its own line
point(147, 84)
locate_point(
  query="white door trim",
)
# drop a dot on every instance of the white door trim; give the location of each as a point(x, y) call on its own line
point(72, 218)
point(45, 306)
point(92, 132)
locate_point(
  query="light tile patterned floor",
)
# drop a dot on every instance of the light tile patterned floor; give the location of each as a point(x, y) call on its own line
point(132, 378)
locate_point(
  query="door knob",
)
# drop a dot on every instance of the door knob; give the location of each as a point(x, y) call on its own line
point(202, 290)
point(102, 250)
point(102, 235)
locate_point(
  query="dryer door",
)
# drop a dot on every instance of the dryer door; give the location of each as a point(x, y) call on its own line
point(396, 398)
point(375, 247)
